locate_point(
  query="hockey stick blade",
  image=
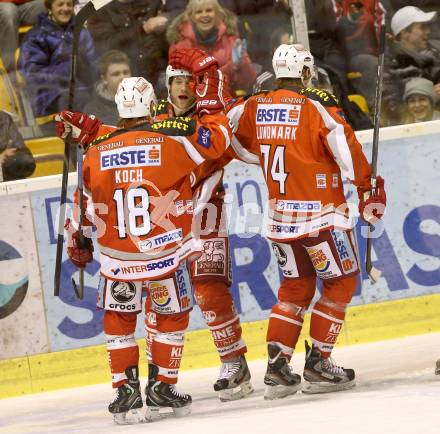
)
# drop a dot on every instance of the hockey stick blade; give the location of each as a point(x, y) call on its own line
point(76, 290)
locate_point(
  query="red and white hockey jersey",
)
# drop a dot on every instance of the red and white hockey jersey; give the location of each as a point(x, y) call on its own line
point(305, 150)
point(139, 182)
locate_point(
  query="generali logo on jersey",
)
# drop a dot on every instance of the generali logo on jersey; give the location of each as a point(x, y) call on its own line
point(133, 156)
point(278, 114)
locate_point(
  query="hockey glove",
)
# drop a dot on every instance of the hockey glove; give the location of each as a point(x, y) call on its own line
point(79, 255)
point(84, 128)
point(209, 89)
point(372, 208)
point(208, 81)
point(193, 60)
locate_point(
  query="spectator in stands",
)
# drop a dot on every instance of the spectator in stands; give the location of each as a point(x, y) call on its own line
point(113, 67)
point(420, 99)
point(15, 13)
point(356, 30)
point(136, 27)
point(16, 161)
point(206, 25)
point(45, 60)
point(411, 54)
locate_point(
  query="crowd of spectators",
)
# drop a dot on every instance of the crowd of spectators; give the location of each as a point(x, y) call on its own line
point(411, 53)
point(135, 37)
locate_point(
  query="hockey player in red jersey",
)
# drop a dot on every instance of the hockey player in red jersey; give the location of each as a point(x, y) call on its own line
point(136, 179)
point(211, 273)
point(305, 150)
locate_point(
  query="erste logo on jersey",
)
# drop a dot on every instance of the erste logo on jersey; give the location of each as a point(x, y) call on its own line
point(278, 114)
point(345, 252)
point(184, 285)
point(133, 156)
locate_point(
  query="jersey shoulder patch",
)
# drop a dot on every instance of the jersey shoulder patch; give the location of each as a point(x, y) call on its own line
point(324, 97)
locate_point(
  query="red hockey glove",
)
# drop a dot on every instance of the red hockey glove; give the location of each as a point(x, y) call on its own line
point(209, 89)
point(80, 257)
point(372, 208)
point(209, 82)
point(84, 128)
point(193, 60)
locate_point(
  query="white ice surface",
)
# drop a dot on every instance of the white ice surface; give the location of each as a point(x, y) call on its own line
point(397, 392)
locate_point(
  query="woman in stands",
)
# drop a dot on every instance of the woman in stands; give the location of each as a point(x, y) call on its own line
point(206, 25)
point(45, 58)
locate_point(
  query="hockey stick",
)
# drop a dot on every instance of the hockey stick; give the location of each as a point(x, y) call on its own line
point(91, 7)
point(373, 273)
point(79, 290)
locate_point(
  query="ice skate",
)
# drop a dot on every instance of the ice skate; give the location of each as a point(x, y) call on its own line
point(322, 375)
point(163, 395)
point(437, 367)
point(128, 400)
point(234, 380)
point(280, 380)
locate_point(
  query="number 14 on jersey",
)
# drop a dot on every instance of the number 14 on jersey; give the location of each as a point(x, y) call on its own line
point(277, 165)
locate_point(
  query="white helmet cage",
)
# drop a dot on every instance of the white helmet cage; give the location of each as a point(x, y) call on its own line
point(173, 72)
point(289, 61)
point(134, 97)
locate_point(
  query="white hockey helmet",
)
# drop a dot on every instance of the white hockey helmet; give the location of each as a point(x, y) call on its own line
point(174, 72)
point(134, 97)
point(289, 61)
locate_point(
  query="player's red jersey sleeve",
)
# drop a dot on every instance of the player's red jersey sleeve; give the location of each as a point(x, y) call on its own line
point(341, 142)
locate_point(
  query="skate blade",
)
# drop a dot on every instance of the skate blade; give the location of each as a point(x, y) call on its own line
point(182, 411)
point(326, 387)
point(239, 392)
point(153, 414)
point(131, 417)
point(279, 391)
